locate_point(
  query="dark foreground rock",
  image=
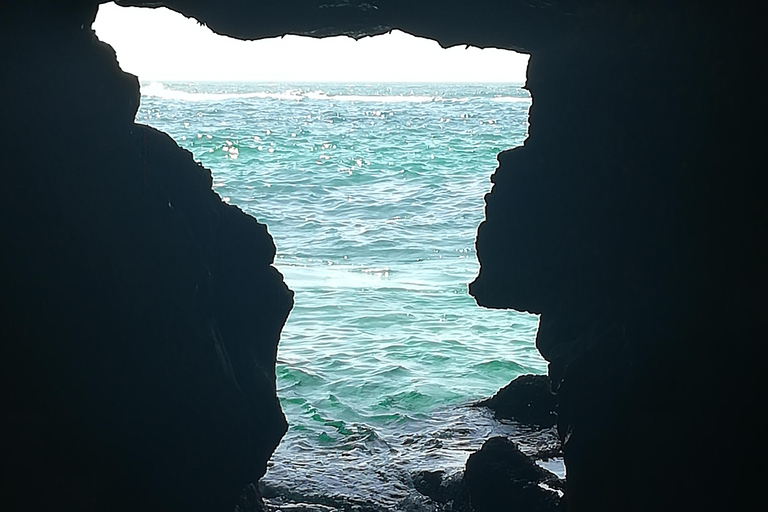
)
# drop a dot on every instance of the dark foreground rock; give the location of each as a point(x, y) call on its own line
point(449, 491)
point(527, 399)
point(251, 500)
point(501, 478)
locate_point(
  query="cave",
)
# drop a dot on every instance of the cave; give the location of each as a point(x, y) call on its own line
point(633, 219)
point(384, 351)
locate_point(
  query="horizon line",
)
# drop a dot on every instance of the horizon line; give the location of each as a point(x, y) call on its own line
point(378, 82)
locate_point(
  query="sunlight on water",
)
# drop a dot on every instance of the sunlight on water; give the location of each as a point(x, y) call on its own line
point(373, 194)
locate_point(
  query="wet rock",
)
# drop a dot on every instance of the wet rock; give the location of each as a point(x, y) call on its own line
point(428, 483)
point(502, 478)
point(527, 399)
point(449, 491)
point(251, 500)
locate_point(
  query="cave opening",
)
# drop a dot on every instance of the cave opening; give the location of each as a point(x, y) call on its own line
point(373, 190)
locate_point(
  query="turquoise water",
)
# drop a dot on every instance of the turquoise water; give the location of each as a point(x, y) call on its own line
point(373, 194)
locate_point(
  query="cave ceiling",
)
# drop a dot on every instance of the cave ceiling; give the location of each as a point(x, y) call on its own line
point(513, 24)
point(521, 25)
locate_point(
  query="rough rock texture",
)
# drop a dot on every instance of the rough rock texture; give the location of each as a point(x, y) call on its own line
point(527, 399)
point(140, 314)
point(634, 221)
point(501, 478)
point(449, 492)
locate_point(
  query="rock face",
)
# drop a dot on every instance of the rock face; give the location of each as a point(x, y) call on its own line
point(501, 478)
point(140, 314)
point(634, 225)
point(527, 399)
point(449, 492)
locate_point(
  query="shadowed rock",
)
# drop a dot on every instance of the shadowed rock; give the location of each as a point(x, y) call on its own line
point(501, 478)
point(527, 399)
point(450, 492)
point(633, 225)
point(140, 313)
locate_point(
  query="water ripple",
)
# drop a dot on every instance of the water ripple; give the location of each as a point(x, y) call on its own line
point(373, 195)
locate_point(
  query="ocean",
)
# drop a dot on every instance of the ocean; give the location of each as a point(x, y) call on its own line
point(373, 194)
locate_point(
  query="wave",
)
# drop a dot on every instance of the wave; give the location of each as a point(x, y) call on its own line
point(372, 98)
point(158, 90)
point(511, 99)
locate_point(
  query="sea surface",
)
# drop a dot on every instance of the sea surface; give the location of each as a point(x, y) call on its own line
point(373, 194)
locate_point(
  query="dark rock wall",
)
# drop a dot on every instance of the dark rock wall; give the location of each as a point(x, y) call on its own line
point(140, 314)
point(634, 221)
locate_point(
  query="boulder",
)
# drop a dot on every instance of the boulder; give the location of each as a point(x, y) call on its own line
point(501, 478)
point(527, 399)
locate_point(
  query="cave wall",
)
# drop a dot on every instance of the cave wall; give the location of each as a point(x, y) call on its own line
point(141, 314)
point(634, 220)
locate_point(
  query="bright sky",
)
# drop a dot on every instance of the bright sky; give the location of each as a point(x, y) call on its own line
point(159, 44)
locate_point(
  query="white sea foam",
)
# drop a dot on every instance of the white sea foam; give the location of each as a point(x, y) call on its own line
point(511, 99)
point(159, 90)
point(383, 99)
